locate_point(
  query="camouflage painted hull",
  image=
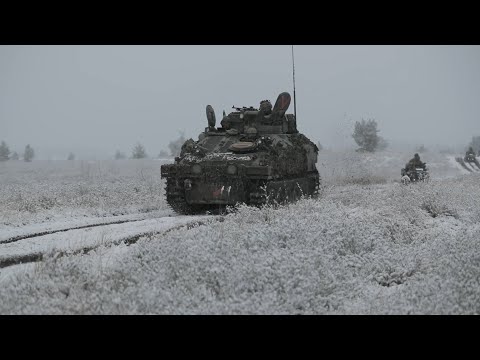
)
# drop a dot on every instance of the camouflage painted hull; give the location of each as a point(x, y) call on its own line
point(256, 157)
point(193, 196)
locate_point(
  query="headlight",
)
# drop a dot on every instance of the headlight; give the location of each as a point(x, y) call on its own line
point(196, 169)
point(231, 169)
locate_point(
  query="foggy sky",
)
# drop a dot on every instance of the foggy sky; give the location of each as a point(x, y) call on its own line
point(97, 99)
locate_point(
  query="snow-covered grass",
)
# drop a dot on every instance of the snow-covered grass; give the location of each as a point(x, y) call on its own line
point(378, 248)
point(47, 191)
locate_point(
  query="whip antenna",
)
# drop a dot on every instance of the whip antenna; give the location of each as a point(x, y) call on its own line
point(294, 95)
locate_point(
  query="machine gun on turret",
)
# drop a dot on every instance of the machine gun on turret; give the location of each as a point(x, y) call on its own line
point(244, 108)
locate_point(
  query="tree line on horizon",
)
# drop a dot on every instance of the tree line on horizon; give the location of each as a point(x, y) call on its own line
point(138, 151)
point(365, 134)
point(6, 154)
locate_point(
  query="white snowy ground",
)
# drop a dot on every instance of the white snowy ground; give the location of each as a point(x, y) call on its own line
point(368, 245)
point(48, 192)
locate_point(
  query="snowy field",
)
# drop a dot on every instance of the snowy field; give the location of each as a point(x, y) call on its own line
point(56, 191)
point(368, 245)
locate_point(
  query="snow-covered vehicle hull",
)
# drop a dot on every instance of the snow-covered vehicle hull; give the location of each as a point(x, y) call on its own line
point(255, 157)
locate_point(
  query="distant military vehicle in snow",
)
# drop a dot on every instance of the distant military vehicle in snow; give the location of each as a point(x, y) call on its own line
point(256, 156)
point(415, 175)
point(469, 162)
point(415, 171)
point(472, 159)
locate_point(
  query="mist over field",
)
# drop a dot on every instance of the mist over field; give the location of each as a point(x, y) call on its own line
point(95, 100)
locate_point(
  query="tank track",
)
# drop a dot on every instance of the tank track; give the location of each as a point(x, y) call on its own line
point(177, 202)
point(276, 192)
point(176, 198)
point(261, 193)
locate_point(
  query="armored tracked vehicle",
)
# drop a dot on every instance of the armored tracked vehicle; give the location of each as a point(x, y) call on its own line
point(255, 157)
point(471, 159)
point(469, 162)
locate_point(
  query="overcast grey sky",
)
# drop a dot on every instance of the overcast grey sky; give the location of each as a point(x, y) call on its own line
point(97, 99)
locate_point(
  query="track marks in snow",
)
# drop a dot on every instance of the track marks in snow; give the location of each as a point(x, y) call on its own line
point(80, 241)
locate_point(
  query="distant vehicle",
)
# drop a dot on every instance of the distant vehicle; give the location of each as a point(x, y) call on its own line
point(469, 162)
point(472, 160)
point(257, 156)
point(415, 175)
